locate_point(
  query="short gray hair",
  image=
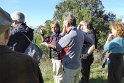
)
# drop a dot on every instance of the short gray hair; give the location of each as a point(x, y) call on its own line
point(18, 16)
point(69, 17)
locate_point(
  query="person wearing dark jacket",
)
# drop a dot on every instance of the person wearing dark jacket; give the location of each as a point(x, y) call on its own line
point(87, 60)
point(17, 41)
point(15, 67)
point(54, 55)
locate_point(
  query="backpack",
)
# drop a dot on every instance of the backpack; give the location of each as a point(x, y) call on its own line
point(33, 50)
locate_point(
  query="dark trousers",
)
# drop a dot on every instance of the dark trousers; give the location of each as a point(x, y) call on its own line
point(86, 63)
point(114, 68)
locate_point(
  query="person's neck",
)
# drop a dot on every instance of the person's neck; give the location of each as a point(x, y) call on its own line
point(69, 28)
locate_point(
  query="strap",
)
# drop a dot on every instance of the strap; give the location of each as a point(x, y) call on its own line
point(27, 37)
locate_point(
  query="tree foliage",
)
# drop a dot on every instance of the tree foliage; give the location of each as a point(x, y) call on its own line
point(92, 10)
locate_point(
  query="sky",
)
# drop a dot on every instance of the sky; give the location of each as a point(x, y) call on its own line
point(38, 11)
point(114, 6)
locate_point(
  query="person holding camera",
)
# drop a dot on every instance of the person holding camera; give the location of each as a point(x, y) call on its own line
point(50, 42)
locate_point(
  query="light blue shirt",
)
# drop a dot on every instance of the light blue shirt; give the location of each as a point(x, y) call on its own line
point(115, 46)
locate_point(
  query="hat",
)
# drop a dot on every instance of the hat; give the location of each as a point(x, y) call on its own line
point(5, 20)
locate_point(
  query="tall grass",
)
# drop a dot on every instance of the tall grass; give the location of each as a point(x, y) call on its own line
point(46, 69)
point(97, 74)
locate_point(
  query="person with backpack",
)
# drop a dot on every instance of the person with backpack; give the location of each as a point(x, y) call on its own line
point(54, 55)
point(87, 59)
point(15, 67)
point(17, 41)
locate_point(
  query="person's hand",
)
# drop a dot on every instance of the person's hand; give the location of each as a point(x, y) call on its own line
point(42, 29)
point(84, 56)
point(110, 37)
point(78, 27)
point(45, 43)
point(64, 30)
point(48, 45)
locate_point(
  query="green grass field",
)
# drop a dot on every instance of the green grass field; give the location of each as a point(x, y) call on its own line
point(97, 75)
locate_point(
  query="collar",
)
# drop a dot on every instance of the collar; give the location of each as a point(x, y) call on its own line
point(71, 28)
point(55, 34)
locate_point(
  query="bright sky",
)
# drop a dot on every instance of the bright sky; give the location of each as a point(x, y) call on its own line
point(38, 11)
point(115, 6)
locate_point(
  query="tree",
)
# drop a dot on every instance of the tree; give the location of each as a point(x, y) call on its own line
point(92, 10)
point(47, 27)
point(38, 39)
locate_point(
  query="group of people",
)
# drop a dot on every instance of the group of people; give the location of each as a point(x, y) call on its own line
point(71, 50)
point(68, 56)
point(15, 66)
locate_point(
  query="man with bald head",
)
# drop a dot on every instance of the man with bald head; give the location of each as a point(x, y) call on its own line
point(15, 67)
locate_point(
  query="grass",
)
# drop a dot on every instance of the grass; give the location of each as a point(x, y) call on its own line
point(97, 75)
point(46, 69)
